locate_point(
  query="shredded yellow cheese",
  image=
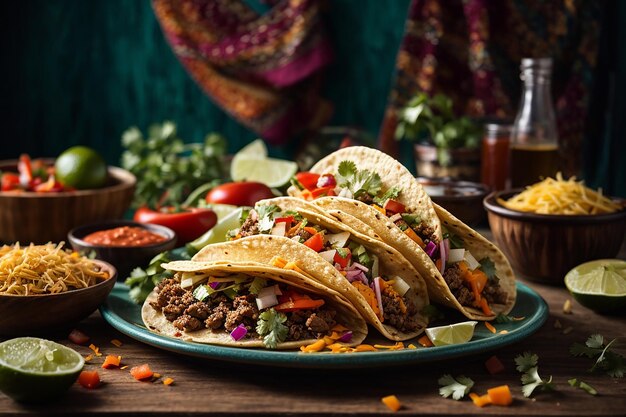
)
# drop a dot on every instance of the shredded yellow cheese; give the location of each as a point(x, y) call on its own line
point(560, 196)
point(45, 269)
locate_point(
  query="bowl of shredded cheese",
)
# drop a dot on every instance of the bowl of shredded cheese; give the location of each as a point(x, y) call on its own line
point(47, 287)
point(551, 226)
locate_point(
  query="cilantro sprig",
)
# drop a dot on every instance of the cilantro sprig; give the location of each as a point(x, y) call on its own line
point(270, 325)
point(457, 387)
point(358, 181)
point(142, 281)
point(527, 363)
point(606, 359)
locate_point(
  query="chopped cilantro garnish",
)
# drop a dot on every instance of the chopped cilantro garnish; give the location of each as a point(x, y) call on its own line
point(358, 181)
point(411, 219)
point(266, 219)
point(391, 193)
point(606, 360)
point(256, 285)
point(527, 363)
point(457, 387)
point(456, 242)
point(270, 325)
point(489, 268)
point(583, 386)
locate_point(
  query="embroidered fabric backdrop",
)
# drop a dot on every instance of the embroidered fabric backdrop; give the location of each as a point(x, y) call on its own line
point(82, 72)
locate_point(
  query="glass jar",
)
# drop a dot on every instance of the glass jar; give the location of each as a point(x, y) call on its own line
point(534, 140)
point(494, 161)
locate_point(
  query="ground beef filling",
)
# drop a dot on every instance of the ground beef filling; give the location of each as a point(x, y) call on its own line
point(492, 292)
point(424, 231)
point(398, 311)
point(220, 312)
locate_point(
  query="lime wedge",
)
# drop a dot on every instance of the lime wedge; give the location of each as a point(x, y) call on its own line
point(222, 210)
point(218, 232)
point(452, 334)
point(270, 171)
point(37, 370)
point(255, 149)
point(599, 285)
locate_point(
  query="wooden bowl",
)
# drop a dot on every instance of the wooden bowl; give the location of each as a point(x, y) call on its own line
point(464, 199)
point(40, 218)
point(124, 258)
point(38, 314)
point(545, 247)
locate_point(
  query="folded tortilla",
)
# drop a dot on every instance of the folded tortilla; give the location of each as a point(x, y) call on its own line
point(244, 273)
point(366, 219)
point(265, 248)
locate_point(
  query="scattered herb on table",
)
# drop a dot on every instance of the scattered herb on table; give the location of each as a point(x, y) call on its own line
point(583, 386)
point(607, 360)
point(457, 387)
point(527, 363)
point(167, 169)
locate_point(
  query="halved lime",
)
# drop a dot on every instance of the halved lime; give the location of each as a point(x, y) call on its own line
point(599, 285)
point(452, 334)
point(256, 149)
point(222, 210)
point(218, 232)
point(270, 171)
point(37, 370)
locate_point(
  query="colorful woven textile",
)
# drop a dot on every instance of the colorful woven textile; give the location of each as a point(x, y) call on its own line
point(471, 51)
point(261, 69)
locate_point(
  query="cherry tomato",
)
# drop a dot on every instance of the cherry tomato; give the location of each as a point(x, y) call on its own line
point(245, 193)
point(189, 224)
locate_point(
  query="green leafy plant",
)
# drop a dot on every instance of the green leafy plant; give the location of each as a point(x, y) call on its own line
point(432, 120)
point(167, 169)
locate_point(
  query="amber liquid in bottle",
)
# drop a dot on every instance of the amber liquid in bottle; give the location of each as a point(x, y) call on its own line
point(533, 163)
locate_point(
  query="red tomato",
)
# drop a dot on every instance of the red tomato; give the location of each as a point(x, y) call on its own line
point(245, 193)
point(78, 337)
point(188, 224)
point(308, 179)
point(344, 260)
point(394, 206)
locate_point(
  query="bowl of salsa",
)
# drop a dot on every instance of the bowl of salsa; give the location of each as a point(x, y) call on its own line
point(123, 243)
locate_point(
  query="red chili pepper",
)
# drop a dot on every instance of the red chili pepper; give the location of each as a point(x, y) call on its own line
point(323, 191)
point(188, 224)
point(308, 179)
point(288, 220)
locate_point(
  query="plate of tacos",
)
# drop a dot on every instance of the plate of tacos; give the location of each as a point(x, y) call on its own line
point(347, 271)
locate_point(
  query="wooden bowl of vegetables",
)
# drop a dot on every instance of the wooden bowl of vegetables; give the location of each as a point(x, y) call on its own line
point(48, 215)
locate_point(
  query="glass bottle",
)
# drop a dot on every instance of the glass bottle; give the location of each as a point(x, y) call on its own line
point(494, 158)
point(534, 140)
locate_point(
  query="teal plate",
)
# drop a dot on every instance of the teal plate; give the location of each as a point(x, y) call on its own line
point(124, 315)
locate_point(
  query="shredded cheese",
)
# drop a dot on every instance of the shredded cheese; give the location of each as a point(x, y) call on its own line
point(560, 196)
point(45, 269)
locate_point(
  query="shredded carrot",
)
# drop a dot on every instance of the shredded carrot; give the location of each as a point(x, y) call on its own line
point(141, 372)
point(500, 395)
point(379, 208)
point(484, 305)
point(490, 327)
point(116, 342)
point(494, 365)
point(316, 346)
point(278, 262)
point(412, 346)
point(168, 381)
point(392, 402)
point(95, 349)
point(425, 341)
point(397, 346)
point(339, 328)
point(111, 361)
point(156, 375)
point(294, 229)
point(504, 331)
point(369, 296)
point(480, 400)
point(411, 233)
point(365, 348)
point(88, 357)
point(310, 229)
point(124, 367)
point(438, 264)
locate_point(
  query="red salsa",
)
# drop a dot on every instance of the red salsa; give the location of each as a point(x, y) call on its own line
point(124, 236)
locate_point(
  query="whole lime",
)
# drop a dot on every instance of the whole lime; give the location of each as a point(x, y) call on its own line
point(81, 167)
point(37, 370)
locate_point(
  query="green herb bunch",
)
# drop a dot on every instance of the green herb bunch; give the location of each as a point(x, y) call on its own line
point(167, 169)
point(432, 120)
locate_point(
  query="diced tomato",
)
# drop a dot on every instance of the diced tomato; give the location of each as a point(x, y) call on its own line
point(342, 257)
point(323, 191)
point(315, 242)
point(78, 337)
point(308, 179)
point(310, 230)
point(394, 207)
point(494, 365)
point(89, 379)
point(141, 372)
point(301, 304)
point(287, 219)
point(10, 181)
point(112, 361)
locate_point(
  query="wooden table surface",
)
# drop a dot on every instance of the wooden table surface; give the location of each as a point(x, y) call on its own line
point(216, 388)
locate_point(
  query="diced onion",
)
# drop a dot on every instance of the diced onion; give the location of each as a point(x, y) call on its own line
point(328, 255)
point(472, 263)
point(379, 297)
point(338, 240)
point(396, 217)
point(189, 279)
point(443, 255)
point(279, 229)
point(266, 298)
point(359, 266)
point(456, 255)
point(346, 337)
point(239, 332)
point(400, 285)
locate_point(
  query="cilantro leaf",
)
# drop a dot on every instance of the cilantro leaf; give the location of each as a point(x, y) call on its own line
point(143, 281)
point(583, 386)
point(266, 219)
point(256, 285)
point(358, 181)
point(391, 193)
point(270, 325)
point(457, 387)
point(489, 268)
point(527, 363)
point(605, 359)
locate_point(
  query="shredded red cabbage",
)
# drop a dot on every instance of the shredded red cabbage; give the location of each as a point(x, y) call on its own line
point(431, 248)
point(346, 337)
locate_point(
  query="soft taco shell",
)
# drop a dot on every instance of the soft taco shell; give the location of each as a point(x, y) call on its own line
point(346, 313)
point(264, 248)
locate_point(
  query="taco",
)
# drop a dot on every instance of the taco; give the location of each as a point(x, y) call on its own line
point(376, 195)
point(243, 304)
point(383, 286)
